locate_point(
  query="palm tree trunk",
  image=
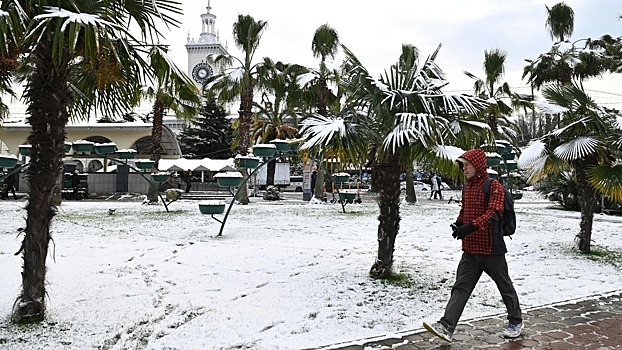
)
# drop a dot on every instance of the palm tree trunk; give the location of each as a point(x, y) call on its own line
point(156, 150)
point(587, 202)
point(318, 191)
point(389, 219)
point(411, 195)
point(322, 97)
point(49, 95)
point(246, 105)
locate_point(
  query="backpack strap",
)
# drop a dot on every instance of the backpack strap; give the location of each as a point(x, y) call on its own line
point(487, 183)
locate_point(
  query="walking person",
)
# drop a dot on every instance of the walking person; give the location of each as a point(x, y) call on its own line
point(478, 227)
point(75, 184)
point(9, 185)
point(188, 180)
point(433, 186)
point(439, 186)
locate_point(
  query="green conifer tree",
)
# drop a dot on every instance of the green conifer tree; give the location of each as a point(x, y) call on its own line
point(209, 135)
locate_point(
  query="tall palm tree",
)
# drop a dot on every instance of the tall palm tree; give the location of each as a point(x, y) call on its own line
point(498, 94)
point(171, 88)
point(407, 116)
point(239, 83)
point(76, 56)
point(560, 21)
point(588, 142)
point(324, 45)
point(277, 114)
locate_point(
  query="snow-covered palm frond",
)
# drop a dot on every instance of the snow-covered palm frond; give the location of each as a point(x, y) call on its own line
point(412, 127)
point(320, 130)
point(448, 152)
point(304, 79)
point(618, 122)
point(72, 17)
point(237, 74)
point(531, 155)
point(564, 129)
point(577, 148)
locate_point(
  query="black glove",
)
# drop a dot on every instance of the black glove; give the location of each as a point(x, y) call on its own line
point(463, 231)
point(455, 225)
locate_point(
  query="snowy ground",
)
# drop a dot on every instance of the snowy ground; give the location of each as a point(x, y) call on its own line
point(286, 275)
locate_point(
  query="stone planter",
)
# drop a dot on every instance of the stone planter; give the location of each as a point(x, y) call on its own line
point(103, 148)
point(508, 166)
point(229, 179)
point(7, 161)
point(264, 150)
point(508, 156)
point(24, 150)
point(212, 208)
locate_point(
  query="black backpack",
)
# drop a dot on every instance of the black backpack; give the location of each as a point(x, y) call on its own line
point(508, 223)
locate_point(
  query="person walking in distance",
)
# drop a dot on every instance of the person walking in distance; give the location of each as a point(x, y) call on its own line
point(188, 180)
point(439, 186)
point(433, 186)
point(478, 227)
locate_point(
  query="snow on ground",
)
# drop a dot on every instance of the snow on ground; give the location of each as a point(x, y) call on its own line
point(285, 275)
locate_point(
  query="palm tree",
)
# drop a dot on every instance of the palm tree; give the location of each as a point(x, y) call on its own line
point(406, 116)
point(588, 142)
point(560, 21)
point(239, 83)
point(74, 57)
point(325, 44)
point(172, 89)
point(497, 93)
point(277, 114)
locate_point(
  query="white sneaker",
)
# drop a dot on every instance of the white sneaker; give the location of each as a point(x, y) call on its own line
point(513, 330)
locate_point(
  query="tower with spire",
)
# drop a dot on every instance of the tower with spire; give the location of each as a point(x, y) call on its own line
point(202, 51)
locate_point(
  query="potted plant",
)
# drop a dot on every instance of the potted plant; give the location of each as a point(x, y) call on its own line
point(212, 207)
point(264, 150)
point(247, 161)
point(7, 161)
point(281, 145)
point(83, 146)
point(229, 179)
point(103, 148)
point(144, 164)
point(126, 153)
point(161, 176)
point(347, 195)
point(341, 177)
point(24, 150)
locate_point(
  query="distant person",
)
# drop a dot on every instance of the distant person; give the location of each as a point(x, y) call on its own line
point(75, 183)
point(9, 185)
point(313, 180)
point(433, 186)
point(439, 183)
point(478, 227)
point(187, 177)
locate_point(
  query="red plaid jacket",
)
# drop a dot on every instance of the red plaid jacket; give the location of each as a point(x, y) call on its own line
point(476, 211)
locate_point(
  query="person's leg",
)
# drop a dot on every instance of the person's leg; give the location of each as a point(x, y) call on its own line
point(13, 191)
point(467, 276)
point(497, 268)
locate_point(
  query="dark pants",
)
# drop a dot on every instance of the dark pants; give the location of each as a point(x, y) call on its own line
point(470, 270)
point(188, 186)
point(5, 192)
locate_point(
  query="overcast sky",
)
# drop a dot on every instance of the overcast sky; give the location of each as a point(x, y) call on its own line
point(375, 30)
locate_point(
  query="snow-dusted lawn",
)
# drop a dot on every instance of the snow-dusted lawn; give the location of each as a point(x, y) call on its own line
point(284, 275)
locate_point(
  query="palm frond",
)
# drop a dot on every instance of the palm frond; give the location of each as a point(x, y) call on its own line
point(607, 180)
point(577, 148)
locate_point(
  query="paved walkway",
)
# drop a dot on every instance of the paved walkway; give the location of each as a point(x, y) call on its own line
point(593, 323)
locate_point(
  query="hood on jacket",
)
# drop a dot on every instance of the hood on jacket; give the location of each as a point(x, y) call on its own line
point(477, 157)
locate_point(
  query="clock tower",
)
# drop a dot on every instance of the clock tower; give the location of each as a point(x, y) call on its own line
point(200, 65)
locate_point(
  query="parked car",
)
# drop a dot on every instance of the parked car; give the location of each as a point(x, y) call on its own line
point(419, 186)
